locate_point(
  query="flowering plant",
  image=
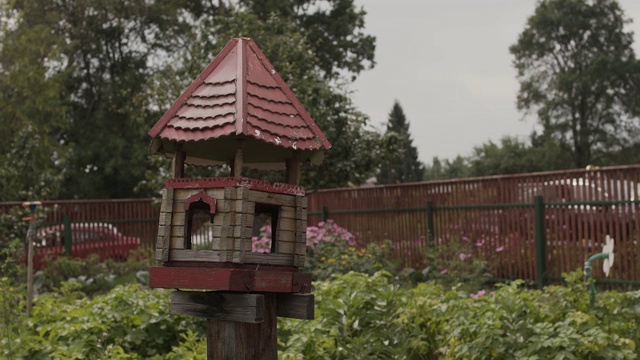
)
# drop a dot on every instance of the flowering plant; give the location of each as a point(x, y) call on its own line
point(332, 249)
point(262, 243)
point(328, 232)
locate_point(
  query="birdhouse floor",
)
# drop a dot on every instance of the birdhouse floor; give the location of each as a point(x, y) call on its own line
point(229, 279)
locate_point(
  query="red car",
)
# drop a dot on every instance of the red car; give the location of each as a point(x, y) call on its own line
point(88, 238)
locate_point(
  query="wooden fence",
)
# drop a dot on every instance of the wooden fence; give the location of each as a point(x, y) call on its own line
point(133, 218)
point(528, 226)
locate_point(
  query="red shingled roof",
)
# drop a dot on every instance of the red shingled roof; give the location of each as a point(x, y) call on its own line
point(239, 96)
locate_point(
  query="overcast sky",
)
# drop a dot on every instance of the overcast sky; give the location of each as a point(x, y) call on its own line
point(448, 63)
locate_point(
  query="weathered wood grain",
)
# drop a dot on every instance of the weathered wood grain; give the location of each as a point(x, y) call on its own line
point(296, 306)
point(271, 259)
point(268, 198)
point(243, 341)
point(247, 308)
point(194, 255)
point(165, 221)
point(285, 247)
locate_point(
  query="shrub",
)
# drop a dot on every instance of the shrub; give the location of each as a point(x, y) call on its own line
point(458, 261)
point(332, 250)
point(360, 317)
point(93, 276)
point(132, 320)
point(357, 317)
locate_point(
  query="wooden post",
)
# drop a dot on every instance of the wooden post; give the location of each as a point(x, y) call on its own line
point(239, 340)
point(178, 162)
point(236, 169)
point(30, 235)
point(293, 169)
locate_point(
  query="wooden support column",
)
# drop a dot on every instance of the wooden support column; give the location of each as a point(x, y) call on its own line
point(236, 167)
point(237, 340)
point(293, 168)
point(178, 162)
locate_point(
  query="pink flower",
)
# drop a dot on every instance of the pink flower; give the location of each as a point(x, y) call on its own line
point(444, 272)
point(464, 256)
point(477, 295)
point(479, 243)
point(500, 249)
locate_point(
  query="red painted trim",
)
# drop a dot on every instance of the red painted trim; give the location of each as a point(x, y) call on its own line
point(294, 100)
point(164, 120)
point(227, 265)
point(204, 197)
point(197, 278)
point(224, 279)
point(222, 182)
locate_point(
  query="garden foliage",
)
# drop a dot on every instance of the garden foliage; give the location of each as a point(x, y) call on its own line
point(362, 314)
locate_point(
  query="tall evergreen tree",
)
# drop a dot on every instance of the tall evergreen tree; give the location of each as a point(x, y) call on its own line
point(402, 164)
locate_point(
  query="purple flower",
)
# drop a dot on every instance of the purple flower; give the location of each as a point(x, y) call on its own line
point(479, 243)
point(464, 256)
point(477, 295)
point(500, 249)
point(444, 272)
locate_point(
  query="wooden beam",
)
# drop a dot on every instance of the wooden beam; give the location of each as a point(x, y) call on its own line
point(164, 228)
point(293, 168)
point(243, 341)
point(199, 278)
point(228, 279)
point(247, 308)
point(296, 306)
point(178, 162)
point(236, 169)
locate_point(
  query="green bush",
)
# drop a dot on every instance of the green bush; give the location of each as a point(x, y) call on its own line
point(93, 276)
point(130, 320)
point(357, 317)
point(362, 317)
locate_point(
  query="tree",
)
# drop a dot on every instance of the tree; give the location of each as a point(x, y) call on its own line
point(401, 164)
point(31, 109)
point(333, 28)
point(93, 76)
point(515, 156)
point(577, 70)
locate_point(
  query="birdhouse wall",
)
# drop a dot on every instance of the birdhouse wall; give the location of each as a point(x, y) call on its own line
point(231, 230)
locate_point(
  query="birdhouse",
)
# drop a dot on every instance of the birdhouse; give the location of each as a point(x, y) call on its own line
point(237, 112)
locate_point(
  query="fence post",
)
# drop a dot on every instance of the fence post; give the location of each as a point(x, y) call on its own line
point(430, 230)
point(67, 235)
point(538, 205)
point(325, 213)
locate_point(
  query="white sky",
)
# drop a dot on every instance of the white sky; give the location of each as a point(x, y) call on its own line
point(448, 63)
